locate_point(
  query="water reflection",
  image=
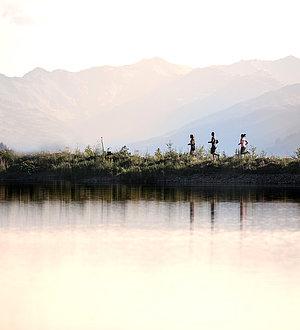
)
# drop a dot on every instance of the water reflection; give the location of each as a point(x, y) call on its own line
point(110, 193)
point(243, 212)
point(192, 212)
point(61, 205)
point(212, 213)
point(74, 257)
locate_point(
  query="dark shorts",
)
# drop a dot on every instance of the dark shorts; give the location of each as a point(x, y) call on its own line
point(213, 150)
point(243, 150)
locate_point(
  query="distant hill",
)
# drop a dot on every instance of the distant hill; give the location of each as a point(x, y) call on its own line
point(285, 70)
point(49, 110)
point(271, 122)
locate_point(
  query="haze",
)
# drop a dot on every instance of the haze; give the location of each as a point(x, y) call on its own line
point(74, 35)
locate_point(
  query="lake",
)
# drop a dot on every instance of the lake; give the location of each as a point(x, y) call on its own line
point(122, 257)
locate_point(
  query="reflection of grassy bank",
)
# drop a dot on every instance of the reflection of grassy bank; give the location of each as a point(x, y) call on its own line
point(170, 167)
point(68, 192)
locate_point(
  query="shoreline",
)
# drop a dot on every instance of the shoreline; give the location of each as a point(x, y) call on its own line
point(169, 169)
point(279, 180)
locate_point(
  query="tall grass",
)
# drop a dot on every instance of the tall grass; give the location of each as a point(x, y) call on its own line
point(92, 163)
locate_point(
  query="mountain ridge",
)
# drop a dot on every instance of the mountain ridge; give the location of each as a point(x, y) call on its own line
point(127, 103)
point(246, 116)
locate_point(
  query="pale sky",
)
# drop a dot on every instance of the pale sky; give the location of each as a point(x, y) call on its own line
point(77, 34)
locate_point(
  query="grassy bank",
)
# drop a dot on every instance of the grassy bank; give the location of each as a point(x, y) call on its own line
point(168, 167)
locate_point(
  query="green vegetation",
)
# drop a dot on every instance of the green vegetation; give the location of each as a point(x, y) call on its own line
point(122, 165)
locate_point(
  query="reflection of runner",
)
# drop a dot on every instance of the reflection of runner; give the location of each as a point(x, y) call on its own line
point(213, 148)
point(192, 213)
point(192, 144)
point(243, 143)
point(212, 213)
point(243, 212)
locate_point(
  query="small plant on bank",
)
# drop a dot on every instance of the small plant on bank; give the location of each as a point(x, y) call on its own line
point(297, 153)
point(201, 153)
point(263, 154)
point(7, 158)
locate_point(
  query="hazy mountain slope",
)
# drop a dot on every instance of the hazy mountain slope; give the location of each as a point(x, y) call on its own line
point(108, 87)
point(54, 106)
point(238, 89)
point(271, 122)
point(196, 94)
point(127, 103)
point(30, 126)
point(148, 115)
point(35, 112)
point(286, 70)
point(193, 96)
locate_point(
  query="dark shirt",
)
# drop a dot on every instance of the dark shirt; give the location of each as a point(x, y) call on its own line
point(192, 143)
point(213, 142)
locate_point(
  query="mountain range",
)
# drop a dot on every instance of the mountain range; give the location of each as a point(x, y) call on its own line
point(154, 102)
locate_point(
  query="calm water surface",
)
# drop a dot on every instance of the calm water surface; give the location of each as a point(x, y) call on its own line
point(117, 257)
